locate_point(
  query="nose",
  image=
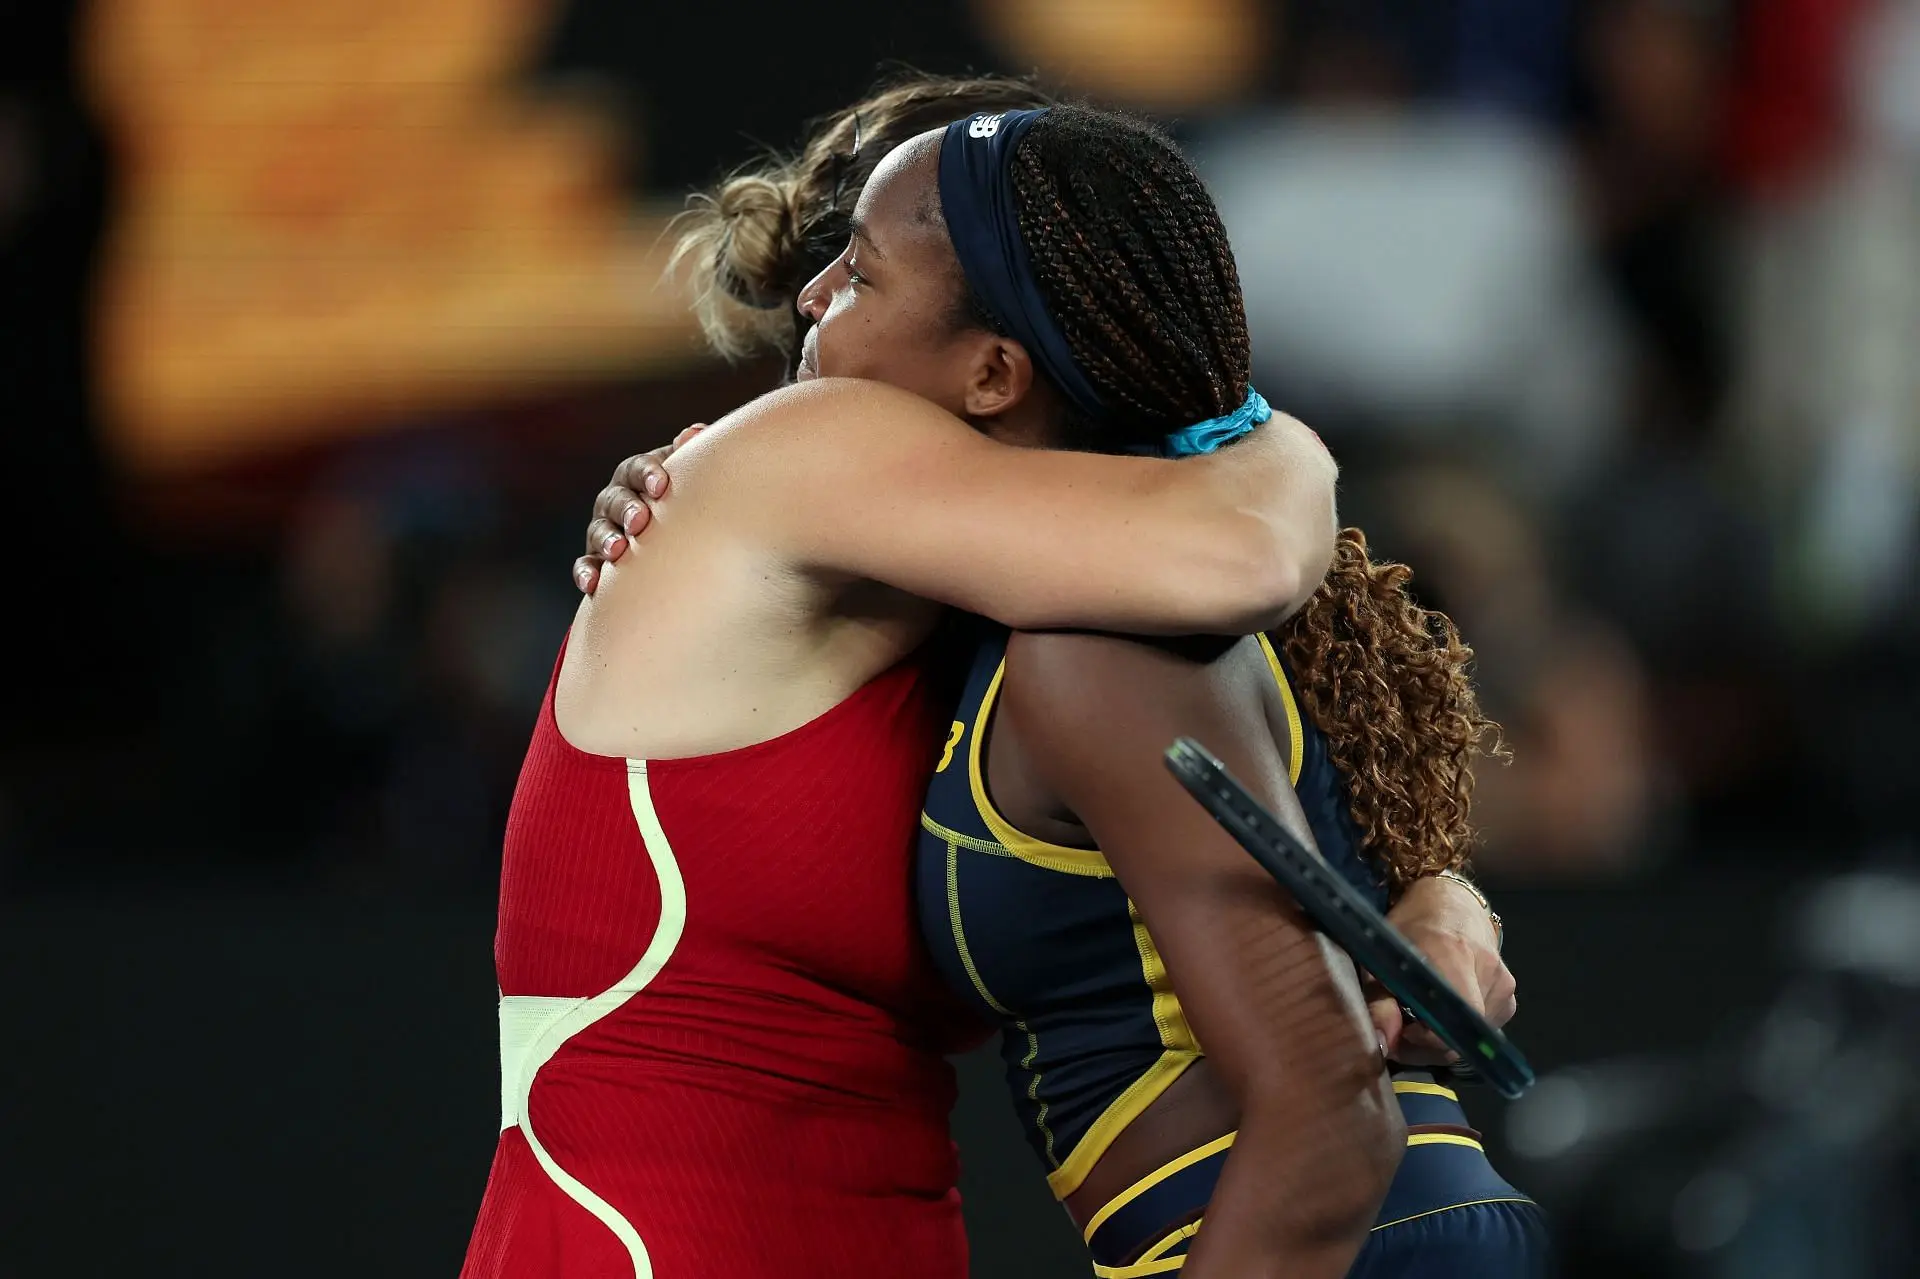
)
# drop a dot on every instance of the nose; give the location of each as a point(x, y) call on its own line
point(814, 299)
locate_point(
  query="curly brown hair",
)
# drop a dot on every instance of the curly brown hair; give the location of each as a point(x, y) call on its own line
point(1388, 684)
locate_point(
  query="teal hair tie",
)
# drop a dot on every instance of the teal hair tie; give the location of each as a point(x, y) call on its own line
point(1207, 436)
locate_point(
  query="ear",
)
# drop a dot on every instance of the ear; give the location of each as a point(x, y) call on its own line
point(1001, 378)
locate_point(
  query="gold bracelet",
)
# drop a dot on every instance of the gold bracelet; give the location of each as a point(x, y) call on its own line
point(1499, 931)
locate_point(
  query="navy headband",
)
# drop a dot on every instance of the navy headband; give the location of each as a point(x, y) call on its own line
point(976, 196)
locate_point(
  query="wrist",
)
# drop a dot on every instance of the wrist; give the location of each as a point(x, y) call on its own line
point(1480, 898)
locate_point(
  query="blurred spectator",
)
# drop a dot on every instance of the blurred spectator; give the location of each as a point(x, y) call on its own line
point(422, 629)
point(1829, 415)
point(1584, 796)
point(1656, 89)
point(1515, 58)
point(1827, 421)
point(1659, 537)
point(1418, 279)
point(1414, 269)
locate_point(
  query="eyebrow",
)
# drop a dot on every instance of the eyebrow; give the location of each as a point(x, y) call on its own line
point(862, 234)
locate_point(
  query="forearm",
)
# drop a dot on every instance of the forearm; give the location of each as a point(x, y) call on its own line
point(1320, 1133)
point(1036, 539)
point(1229, 544)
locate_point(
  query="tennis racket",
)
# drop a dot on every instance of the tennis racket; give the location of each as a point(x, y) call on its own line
point(1352, 921)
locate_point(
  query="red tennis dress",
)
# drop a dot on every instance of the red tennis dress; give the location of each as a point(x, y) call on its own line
point(717, 1058)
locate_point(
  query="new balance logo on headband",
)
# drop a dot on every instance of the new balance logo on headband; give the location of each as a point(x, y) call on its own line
point(982, 212)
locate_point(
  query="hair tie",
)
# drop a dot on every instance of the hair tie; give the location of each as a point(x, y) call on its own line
point(1207, 436)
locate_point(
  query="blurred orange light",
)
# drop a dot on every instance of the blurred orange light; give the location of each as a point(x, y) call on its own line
point(1168, 55)
point(337, 212)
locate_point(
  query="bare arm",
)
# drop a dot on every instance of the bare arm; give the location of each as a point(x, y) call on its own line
point(869, 481)
point(1277, 1006)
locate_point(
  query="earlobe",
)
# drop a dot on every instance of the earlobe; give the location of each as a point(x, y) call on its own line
point(1002, 377)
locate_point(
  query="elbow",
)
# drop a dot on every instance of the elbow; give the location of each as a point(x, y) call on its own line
point(1375, 1140)
point(1283, 526)
point(1280, 558)
point(1292, 548)
point(1379, 1130)
point(1358, 1145)
point(1274, 573)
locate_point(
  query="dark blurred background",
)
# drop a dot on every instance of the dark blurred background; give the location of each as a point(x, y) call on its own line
point(321, 322)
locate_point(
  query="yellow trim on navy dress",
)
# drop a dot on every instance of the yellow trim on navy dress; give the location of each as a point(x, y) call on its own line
point(1416, 1087)
point(960, 933)
point(1070, 861)
point(1141, 1269)
point(1181, 1047)
point(1173, 1240)
point(961, 840)
point(1151, 1180)
point(1113, 1121)
point(1443, 1139)
point(973, 974)
point(1296, 735)
point(1090, 861)
point(1176, 1036)
point(1153, 1259)
point(1435, 1212)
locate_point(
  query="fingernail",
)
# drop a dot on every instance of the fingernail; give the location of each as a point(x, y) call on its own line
point(627, 516)
point(1381, 1040)
point(655, 484)
point(606, 546)
point(581, 576)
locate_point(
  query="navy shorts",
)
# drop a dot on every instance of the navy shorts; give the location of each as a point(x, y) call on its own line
point(1500, 1240)
point(1448, 1214)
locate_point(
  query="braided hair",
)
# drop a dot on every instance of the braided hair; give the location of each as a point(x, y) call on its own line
point(1130, 253)
point(1134, 263)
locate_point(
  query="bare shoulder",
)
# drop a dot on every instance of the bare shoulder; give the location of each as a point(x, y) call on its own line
point(1063, 678)
point(837, 410)
point(767, 463)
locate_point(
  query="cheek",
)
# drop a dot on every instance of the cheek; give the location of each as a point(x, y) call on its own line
point(885, 339)
point(863, 334)
point(844, 346)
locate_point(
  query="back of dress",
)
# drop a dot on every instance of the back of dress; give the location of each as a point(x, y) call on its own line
point(710, 982)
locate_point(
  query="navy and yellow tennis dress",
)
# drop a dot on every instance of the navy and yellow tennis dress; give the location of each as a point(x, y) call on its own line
point(1042, 940)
